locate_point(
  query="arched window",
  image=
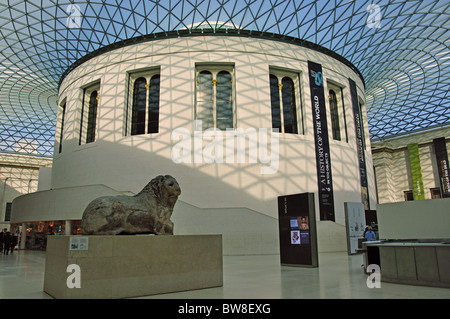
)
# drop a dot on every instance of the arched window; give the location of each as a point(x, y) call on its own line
point(283, 103)
point(289, 107)
point(205, 99)
point(275, 102)
point(138, 108)
point(214, 103)
point(143, 117)
point(335, 126)
point(153, 104)
point(92, 117)
point(224, 106)
point(61, 130)
point(89, 114)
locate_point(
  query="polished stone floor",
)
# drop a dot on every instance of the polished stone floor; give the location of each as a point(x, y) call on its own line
point(339, 276)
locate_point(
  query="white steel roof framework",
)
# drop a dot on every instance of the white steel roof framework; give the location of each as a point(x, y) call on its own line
point(400, 47)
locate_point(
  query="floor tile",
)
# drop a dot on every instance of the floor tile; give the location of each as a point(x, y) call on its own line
point(338, 276)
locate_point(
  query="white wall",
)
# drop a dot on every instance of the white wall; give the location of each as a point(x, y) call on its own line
point(137, 159)
point(58, 204)
point(247, 232)
point(127, 163)
point(18, 176)
point(45, 178)
point(244, 232)
point(418, 219)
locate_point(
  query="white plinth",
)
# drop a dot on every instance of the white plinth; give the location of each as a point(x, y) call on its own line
point(131, 266)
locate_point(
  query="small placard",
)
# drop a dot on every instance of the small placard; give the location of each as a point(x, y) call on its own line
point(79, 243)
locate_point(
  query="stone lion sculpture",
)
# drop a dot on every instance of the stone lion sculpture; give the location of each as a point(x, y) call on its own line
point(148, 212)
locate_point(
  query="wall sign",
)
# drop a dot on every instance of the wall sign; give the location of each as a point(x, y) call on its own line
point(360, 145)
point(297, 230)
point(79, 243)
point(323, 160)
point(416, 171)
point(443, 167)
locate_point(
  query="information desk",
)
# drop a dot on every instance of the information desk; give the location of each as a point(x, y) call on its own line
point(415, 263)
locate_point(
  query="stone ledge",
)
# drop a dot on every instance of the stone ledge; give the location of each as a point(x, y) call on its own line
point(135, 265)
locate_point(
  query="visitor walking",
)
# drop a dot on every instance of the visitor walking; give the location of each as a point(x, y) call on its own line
point(7, 241)
point(14, 241)
point(2, 236)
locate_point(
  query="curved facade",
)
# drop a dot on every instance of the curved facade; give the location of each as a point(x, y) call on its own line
point(232, 118)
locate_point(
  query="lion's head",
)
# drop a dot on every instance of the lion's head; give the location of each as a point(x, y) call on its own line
point(165, 188)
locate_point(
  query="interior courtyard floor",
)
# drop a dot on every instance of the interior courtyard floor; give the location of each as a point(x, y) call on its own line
point(339, 276)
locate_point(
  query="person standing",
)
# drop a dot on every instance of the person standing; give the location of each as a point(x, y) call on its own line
point(370, 235)
point(2, 235)
point(6, 243)
point(14, 241)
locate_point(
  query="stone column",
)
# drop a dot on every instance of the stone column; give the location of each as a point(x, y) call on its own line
point(23, 236)
point(68, 227)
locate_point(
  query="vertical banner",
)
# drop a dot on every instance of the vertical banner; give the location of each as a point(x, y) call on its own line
point(416, 171)
point(355, 223)
point(297, 230)
point(360, 145)
point(323, 161)
point(443, 167)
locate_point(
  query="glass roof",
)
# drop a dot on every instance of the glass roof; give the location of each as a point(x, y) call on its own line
point(400, 47)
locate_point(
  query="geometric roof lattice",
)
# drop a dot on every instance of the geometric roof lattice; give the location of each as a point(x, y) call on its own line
point(400, 47)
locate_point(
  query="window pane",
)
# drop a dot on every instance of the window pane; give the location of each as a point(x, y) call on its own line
point(224, 116)
point(8, 212)
point(63, 114)
point(153, 104)
point(275, 102)
point(205, 99)
point(289, 107)
point(334, 116)
point(138, 111)
point(205, 87)
point(224, 101)
point(92, 117)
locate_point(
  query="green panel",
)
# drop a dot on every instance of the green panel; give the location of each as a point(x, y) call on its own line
point(416, 171)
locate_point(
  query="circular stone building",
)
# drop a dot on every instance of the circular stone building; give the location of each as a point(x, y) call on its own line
point(239, 118)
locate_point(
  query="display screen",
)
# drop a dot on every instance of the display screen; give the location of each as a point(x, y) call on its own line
point(299, 230)
point(295, 237)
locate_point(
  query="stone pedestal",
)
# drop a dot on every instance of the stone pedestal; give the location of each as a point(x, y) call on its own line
point(131, 266)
